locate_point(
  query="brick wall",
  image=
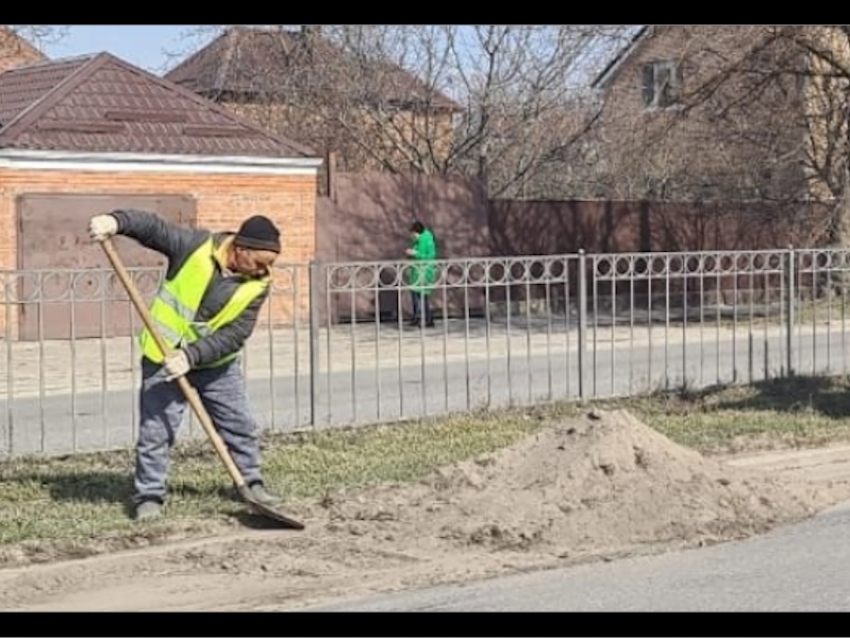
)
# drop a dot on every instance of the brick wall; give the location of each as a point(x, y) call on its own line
point(739, 132)
point(15, 51)
point(223, 201)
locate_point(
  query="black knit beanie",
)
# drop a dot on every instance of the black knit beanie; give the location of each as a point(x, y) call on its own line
point(258, 233)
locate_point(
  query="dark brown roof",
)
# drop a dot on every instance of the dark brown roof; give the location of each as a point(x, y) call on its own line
point(23, 87)
point(246, 60)
point(100, 103)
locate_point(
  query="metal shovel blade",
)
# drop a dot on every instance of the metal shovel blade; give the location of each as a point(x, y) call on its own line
point(266, 511)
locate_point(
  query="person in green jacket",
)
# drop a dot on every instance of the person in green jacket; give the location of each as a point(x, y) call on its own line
point(422, 274)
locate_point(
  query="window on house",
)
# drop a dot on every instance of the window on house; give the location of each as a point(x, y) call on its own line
point(662, 85)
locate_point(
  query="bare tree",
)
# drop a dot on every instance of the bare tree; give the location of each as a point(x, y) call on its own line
point(524, 102)
point(499, 102)
point(717, 125)
point(762, 115)
point(38, 34)
point(827, 157)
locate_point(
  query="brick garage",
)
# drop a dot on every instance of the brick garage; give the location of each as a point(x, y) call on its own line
point(95, 131)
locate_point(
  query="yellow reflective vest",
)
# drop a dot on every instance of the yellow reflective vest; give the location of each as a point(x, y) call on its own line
point(176, 305)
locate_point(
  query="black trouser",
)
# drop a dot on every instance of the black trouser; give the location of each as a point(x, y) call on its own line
point(420, 301)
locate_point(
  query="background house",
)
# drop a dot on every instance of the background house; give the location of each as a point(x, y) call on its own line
point(84, 135)
point(705, 112)
point(371, 113)
point(16, 51)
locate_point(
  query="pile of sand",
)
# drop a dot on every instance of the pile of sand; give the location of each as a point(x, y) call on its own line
point(605, 482)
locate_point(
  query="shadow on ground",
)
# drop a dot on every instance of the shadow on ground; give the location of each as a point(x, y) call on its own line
point(825, 396)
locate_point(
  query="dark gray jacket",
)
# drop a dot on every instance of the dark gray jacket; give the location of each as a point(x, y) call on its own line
point(177, 243)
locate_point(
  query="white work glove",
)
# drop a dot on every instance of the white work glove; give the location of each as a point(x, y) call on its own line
point(176, 364)
point(102, 226)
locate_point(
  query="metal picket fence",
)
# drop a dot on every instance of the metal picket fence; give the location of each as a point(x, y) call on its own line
point(334, 346)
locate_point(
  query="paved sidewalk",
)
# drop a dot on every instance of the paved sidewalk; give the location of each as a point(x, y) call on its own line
point(56, 367)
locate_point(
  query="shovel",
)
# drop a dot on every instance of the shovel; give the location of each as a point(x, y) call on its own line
point(193, 398)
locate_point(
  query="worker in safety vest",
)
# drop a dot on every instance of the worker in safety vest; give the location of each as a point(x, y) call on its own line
point(205, 309)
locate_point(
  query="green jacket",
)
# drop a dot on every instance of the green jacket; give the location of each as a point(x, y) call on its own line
point(422, 274)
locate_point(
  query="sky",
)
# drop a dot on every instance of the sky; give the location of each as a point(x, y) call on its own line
point(147, 46)
point(141, 45)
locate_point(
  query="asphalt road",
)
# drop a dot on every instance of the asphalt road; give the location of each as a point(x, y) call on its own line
point(805, 567)
point(64, 423)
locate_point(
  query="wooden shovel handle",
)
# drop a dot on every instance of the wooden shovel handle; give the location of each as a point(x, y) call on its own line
point(185, 386)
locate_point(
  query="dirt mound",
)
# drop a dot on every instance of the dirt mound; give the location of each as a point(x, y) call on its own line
point(602, 483)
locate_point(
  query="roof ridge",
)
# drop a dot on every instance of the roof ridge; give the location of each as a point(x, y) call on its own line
point(229, 43)
point(621, 55)
point(23, 118)
point(23, 68)
point(223, 54)
point(197, 54)
point(52, 62)
point(213, 106)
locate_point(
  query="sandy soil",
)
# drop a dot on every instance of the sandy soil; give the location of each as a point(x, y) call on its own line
point(596, 488)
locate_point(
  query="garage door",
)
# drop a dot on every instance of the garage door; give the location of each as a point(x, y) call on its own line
point(67, 287)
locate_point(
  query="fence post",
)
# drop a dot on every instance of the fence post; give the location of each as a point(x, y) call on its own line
point(790, 303)
point(313, 282)
point(582, 323)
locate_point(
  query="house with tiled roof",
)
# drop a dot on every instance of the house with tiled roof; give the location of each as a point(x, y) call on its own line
point(82, 135)
point(371, 113)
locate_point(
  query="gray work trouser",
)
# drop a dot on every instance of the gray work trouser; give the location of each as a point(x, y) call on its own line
point(163, 407)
